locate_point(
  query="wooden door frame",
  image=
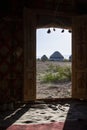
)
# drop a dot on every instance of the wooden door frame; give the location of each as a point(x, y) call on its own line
point(34, 16)
point(79, 60)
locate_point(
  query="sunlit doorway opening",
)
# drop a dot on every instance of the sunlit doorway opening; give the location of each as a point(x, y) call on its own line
point(53, 63)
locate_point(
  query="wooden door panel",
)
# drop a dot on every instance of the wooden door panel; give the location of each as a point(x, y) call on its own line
point(79, 58)
point(29, 55)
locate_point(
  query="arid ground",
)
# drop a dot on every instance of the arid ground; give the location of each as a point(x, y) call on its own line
point(51, 90)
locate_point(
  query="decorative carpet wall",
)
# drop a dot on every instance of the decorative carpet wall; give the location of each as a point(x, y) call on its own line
point(11, 60)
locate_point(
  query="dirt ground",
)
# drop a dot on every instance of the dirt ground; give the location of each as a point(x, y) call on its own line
point(42, 112)
point(52, 90)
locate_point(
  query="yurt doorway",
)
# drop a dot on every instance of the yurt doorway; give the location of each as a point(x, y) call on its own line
point(53, 63)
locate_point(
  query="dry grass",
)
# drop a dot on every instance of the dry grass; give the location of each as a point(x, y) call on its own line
point(51, 90)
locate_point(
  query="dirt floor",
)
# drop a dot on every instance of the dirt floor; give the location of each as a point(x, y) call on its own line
point(42, 112)
point(48, 111)
point(52, 90)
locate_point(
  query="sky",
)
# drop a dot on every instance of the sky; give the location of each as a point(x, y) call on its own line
point(48, 43)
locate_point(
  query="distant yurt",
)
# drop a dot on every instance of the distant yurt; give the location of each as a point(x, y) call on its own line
point(56, 56)
point(44, 58)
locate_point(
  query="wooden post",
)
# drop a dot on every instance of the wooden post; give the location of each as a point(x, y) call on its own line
point(79, 57)
point(29, 55)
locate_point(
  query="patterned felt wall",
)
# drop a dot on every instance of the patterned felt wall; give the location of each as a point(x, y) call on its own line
point(11, 60)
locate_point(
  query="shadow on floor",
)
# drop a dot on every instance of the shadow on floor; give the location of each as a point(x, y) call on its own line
point(7, 118)
point(76, 117)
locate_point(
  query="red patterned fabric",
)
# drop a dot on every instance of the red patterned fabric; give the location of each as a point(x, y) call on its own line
point(67, 125)
point(48, 126)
